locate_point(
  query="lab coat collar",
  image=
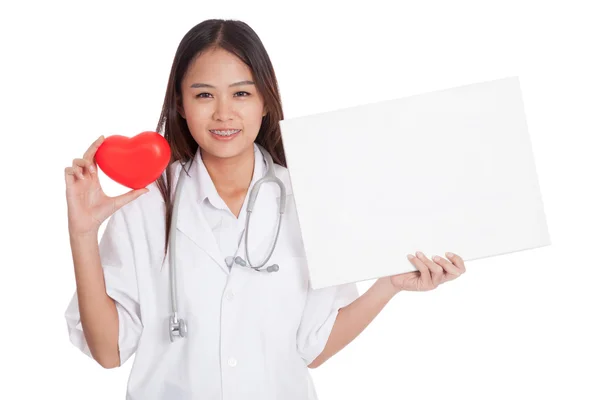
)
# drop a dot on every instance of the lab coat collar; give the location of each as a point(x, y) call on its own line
point(206, 186)
point(193, 224)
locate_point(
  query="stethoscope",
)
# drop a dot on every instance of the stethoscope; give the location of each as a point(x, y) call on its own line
point(177, 325)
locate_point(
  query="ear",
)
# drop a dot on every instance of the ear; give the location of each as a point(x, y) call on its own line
point(265, 112)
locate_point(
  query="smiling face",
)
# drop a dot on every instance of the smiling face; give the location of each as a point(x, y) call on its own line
point(218, 98)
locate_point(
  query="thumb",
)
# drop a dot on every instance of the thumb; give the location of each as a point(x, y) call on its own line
point(129, 197)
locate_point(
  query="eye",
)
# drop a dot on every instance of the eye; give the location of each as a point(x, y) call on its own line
point(205, 94)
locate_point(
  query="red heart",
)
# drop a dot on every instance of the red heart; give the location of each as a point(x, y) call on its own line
point(134, 162)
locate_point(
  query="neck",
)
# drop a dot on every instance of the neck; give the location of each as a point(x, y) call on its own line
point(230, 175)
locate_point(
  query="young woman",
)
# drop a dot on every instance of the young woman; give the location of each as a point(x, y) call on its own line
point(250, 332)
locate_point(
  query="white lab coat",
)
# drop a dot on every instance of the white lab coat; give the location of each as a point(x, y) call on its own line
point(251, 335)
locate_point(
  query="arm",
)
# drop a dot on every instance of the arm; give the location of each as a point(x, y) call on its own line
point(355, 317)
point(98, 311)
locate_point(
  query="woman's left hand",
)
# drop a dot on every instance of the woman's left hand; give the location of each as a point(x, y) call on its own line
point(430, 274)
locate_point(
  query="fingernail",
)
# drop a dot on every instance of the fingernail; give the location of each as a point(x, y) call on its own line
point(92, 169)
point(436, 258)
point(410, 256)
point(419, 254)
point(450, 254)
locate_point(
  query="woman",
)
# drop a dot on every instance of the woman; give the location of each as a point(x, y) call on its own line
point(250, 335)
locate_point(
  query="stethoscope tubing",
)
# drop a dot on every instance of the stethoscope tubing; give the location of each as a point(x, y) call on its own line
point(177, 325)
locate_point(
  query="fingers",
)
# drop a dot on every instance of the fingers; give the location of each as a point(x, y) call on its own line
point(69, 175)
point(128, 197)
point(426, 282)
point(452, 271)
point(437, 272)
point(83, 163)
point(457, 261)
point(82, 166)
point(91, 151)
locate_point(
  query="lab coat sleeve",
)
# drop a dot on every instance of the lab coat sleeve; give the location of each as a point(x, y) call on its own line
point(117, 259)
point(320, 311)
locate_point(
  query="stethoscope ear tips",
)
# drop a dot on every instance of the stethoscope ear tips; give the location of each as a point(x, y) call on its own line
point(273, 268)
point(240, 261)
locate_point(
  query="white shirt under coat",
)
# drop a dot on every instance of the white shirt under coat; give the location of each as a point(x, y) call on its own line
point(251, 335)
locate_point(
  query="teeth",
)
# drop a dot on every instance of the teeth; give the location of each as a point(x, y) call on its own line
point(225, 133)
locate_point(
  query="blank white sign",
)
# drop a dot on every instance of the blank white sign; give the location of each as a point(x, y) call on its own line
point(451, 170)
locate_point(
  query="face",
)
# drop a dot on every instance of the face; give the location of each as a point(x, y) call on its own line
point(218, 98)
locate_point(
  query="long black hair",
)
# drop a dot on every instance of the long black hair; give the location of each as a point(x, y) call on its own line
point(239, 39)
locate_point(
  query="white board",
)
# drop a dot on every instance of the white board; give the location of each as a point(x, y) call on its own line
point(451, 170)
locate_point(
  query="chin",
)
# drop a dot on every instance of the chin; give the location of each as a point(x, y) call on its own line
point(226, 149)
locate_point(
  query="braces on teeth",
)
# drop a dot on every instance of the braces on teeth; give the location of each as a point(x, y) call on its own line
point(225, 133)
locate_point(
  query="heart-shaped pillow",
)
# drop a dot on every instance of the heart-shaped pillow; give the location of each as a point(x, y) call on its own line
point(134, 162)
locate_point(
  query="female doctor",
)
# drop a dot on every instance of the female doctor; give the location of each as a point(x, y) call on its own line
point(247, 332)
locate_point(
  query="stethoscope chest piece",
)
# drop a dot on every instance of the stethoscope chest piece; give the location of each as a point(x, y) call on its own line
point(177, 328)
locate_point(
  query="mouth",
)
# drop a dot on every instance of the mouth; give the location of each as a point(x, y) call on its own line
point(224, 134)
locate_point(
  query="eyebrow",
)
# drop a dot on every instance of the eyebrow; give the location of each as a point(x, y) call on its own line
point(203, 85)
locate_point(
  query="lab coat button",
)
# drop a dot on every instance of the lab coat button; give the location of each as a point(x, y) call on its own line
point(232, 362)
point(229, 295)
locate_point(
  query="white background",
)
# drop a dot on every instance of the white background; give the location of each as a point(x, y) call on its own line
point(519, 326)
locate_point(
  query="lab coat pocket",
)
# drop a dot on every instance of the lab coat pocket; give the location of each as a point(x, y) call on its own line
point(285, 290)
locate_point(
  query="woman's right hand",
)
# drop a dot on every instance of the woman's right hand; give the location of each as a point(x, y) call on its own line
point(88, 206)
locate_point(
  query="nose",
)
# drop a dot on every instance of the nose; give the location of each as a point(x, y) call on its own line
point(223, 110)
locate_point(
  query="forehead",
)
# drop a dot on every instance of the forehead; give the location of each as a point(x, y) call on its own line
point(217, 67)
